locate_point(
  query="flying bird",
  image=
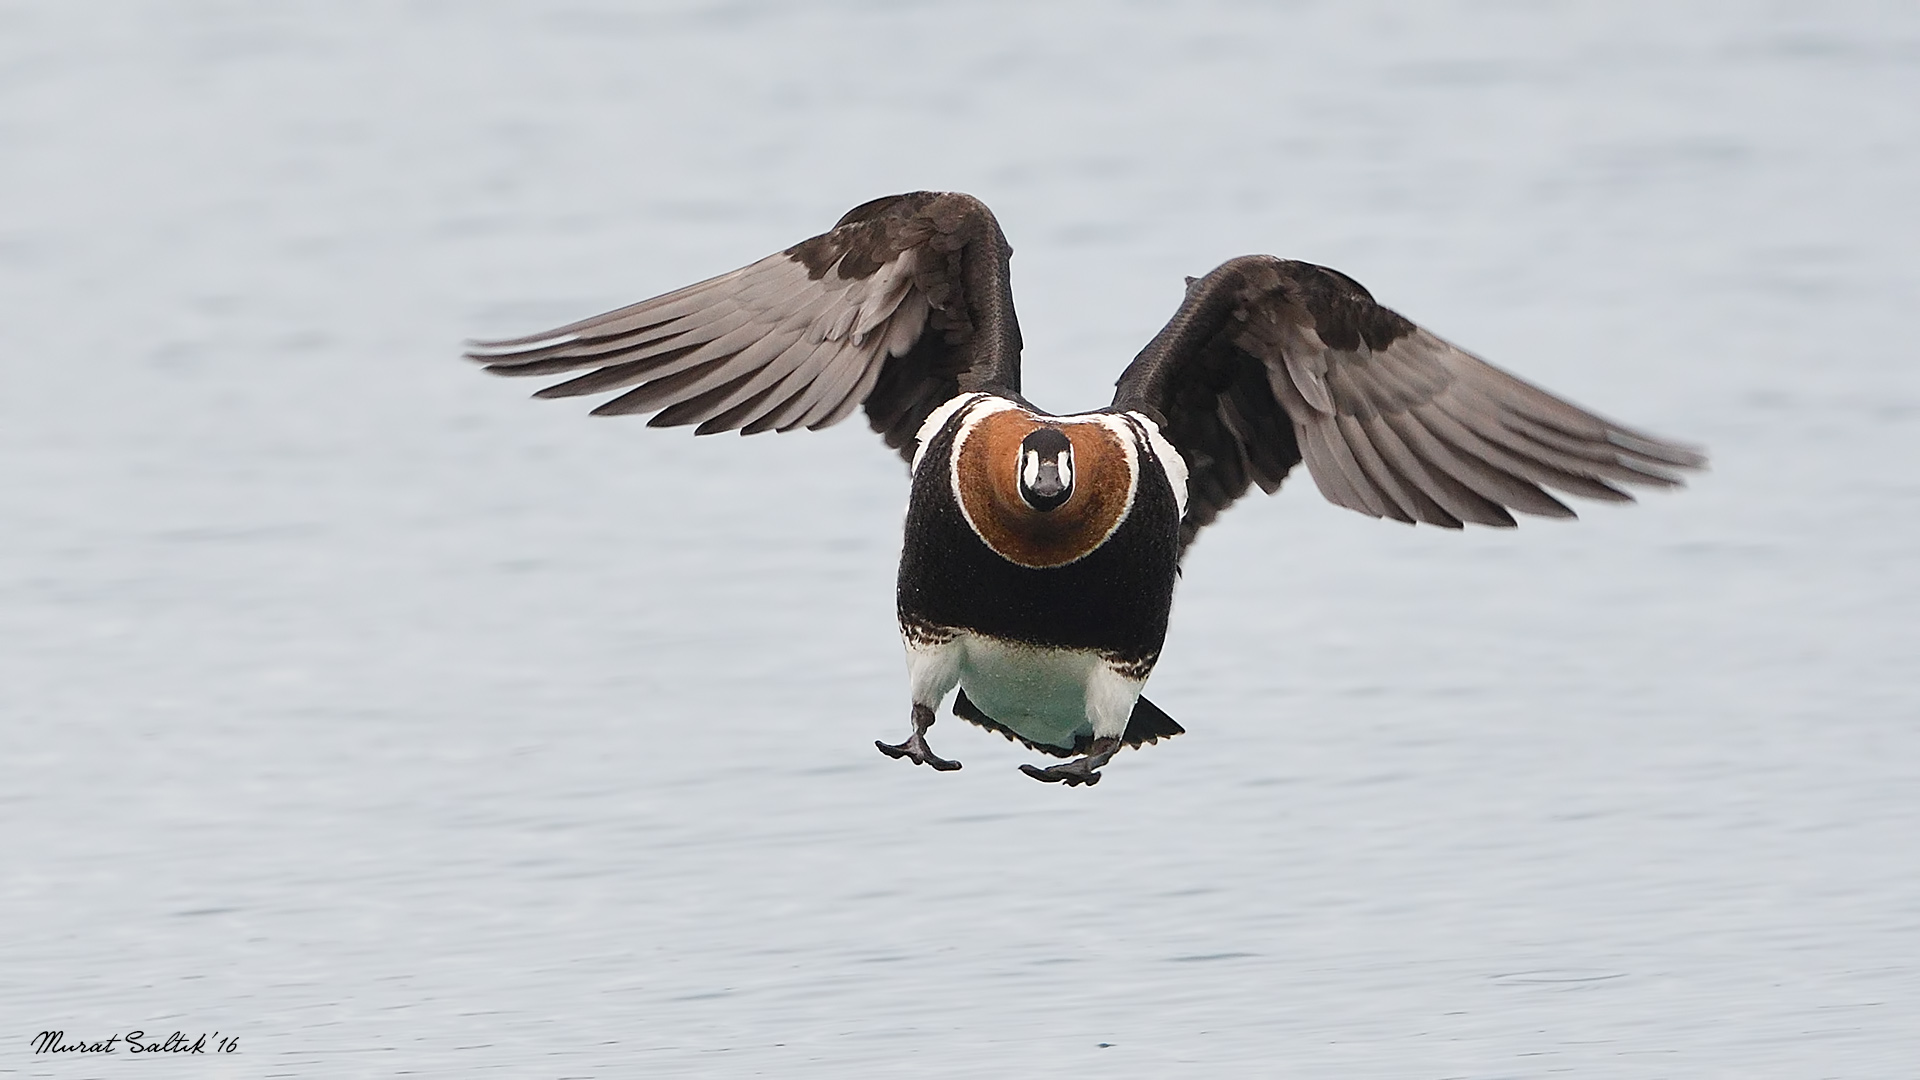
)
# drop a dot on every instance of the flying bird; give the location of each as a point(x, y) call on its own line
point(1040, 550)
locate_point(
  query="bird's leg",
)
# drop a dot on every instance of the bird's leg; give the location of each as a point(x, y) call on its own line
point(1081, 770)
point(915, 748)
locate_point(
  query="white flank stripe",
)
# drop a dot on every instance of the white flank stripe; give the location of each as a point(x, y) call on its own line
point(1170, 459)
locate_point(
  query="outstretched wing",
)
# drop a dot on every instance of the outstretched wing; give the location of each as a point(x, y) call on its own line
point(1269, 362)
point(903, 304)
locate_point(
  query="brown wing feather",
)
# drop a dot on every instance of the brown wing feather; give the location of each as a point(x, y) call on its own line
point(1270, 362)
point(904, 303)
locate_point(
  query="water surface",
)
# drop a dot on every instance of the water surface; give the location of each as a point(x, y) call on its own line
point(355, 705)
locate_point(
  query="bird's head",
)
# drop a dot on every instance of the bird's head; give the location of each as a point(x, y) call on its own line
point(1046, 468)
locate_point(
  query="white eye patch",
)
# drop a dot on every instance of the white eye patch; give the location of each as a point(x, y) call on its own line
point(1030, 467)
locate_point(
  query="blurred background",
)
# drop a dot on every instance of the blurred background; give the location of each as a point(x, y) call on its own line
point(356, 706)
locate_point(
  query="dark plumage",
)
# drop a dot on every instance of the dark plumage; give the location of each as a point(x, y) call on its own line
point(905, 308)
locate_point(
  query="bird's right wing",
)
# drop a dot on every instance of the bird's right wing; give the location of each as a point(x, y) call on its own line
point(902, 305)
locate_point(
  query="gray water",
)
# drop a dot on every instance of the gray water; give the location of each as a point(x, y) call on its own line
point(355, 706)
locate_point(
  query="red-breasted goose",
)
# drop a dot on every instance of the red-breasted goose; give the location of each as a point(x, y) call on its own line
point(1041, 550)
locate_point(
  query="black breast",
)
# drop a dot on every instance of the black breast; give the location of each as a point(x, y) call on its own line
point(1114, 600)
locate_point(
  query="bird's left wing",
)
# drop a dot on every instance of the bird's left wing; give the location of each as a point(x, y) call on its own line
point(903, 304)
point(1269, 362)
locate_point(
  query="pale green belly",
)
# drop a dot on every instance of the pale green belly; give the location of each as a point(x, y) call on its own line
point(1039, 693)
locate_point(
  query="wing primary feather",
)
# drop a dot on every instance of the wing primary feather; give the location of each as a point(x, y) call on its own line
point(739, 415)
point(690, 410)
point(1324, 471)
point(1576, 476)
point(538, 367)
point(857, 395)
point(596, 352)
point(484, 348)
point(650, 396)
point(658, 357)
point(781, 394)
point(586, 350)
point(1603, 457)
point(908, 322)
point(748, 382)
point(1491, 484)
point(891, 285)
point(1678, 455)
point(793, 396)
point(809, 395)
point(1465, 442)
point(1408, 508)
point(1394, 380)
point(1522, 397)
point(729, 377)
point(1307, 370)
point(1458, 505)
point(1573, 483)
point(1419, 504)
point(620, 321)
point(1354, 490)
point(1345, 387)
point(619, 375)
point(833, 385)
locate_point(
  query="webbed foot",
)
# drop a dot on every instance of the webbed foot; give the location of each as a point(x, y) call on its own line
point(915, 749)
point(1081, 770)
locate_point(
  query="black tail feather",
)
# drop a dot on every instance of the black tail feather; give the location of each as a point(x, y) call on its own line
point(1149, 725)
